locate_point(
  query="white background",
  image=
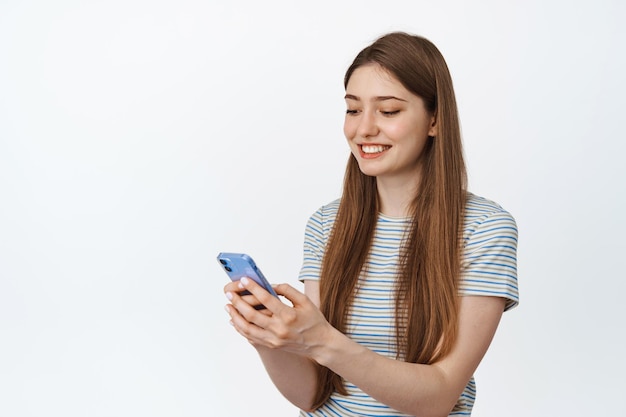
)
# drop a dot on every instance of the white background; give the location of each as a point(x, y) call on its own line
point(140, 138)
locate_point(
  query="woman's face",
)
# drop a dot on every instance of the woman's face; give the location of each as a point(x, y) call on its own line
point(386, 125)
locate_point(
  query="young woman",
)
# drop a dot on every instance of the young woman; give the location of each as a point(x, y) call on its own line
point(405, 276)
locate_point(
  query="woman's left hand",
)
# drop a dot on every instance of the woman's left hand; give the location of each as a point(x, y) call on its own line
point(299, 328)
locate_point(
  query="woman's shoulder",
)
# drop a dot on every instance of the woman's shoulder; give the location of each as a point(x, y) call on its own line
point(476, 204)
point(327, 210)
point(325, 215)
point(332, 206)
point(482, 214)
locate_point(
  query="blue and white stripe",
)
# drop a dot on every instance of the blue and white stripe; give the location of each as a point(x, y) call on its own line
point(488, 267)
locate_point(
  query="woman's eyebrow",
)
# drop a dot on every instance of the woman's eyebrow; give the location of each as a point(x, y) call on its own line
point(378, 98)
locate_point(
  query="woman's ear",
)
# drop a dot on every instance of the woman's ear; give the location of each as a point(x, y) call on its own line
point(432, 131)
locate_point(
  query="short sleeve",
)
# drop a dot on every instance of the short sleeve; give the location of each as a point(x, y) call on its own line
point(489, 263)
point(315, 238)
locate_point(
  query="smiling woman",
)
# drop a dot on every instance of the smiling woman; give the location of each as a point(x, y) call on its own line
point(407, 274)
point(387, 127)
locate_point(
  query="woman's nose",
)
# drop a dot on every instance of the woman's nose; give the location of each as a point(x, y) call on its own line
point(367, 124)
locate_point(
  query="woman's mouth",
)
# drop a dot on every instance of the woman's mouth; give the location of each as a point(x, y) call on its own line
point(372, 150)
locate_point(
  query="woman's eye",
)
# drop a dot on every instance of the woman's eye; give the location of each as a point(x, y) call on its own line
point(389, 113)
point(351, 112)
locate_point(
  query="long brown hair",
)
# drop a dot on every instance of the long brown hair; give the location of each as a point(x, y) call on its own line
point(426, 296)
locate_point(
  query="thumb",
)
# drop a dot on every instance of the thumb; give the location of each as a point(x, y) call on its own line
point(296, 297)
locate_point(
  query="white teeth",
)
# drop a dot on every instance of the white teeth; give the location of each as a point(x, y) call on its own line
point(374, 148)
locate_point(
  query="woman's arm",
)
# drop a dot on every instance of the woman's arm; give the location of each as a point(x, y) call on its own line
point(424, 390)
point(294, 375)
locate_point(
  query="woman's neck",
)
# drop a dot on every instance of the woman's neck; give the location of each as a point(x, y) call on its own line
point(396, 196)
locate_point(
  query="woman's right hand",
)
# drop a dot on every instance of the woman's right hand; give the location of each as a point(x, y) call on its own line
point(298, 328)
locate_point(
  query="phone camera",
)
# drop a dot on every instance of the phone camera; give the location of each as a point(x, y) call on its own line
point(222, 261)
point(228, 268)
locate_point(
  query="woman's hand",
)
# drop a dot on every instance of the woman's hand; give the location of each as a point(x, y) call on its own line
point(235, 287)
point(299, 328)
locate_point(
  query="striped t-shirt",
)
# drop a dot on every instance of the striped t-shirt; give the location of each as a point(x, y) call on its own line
point(488, 267)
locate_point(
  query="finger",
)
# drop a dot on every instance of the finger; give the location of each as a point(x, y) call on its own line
point(241, 325)
point(250, 312)
point(254, 334)
point(252, 300)
point(245, 295)
point(296, 297)
point(232, 286)
point(261, 294)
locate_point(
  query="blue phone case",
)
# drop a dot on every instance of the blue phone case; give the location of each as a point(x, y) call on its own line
point(239, 265)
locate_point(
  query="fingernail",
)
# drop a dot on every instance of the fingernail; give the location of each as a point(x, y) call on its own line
point(229, 295)
point(244, 281)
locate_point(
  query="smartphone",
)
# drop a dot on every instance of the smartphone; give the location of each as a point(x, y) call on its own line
point(239, 265)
